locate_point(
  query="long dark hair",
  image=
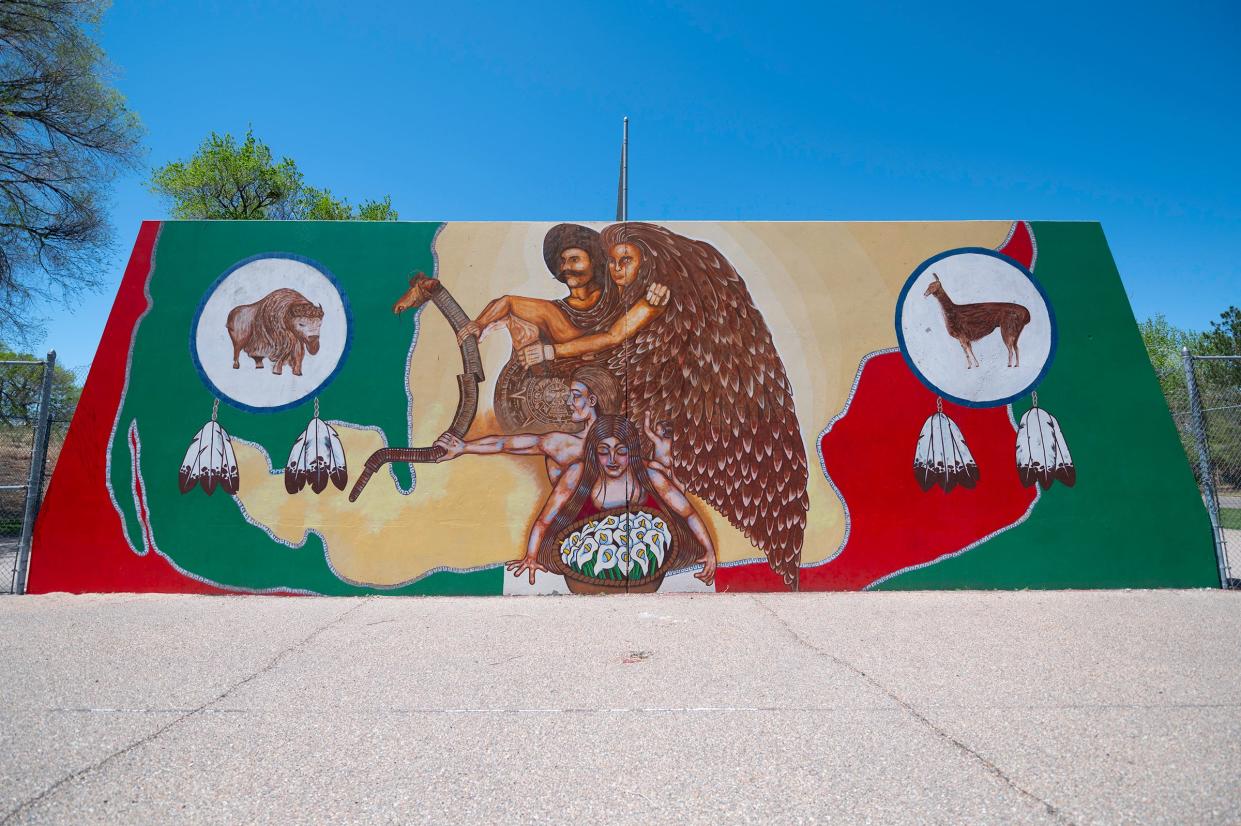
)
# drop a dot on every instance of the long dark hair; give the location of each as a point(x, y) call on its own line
point(658, 247)
point(685, 547)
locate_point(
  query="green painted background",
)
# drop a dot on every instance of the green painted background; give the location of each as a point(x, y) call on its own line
point(1134, 519)
point(372, 262)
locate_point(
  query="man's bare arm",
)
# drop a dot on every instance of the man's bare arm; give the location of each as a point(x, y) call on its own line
point(522, 444)
point(550, 319)
point(561, 448)
point(494, 311)
point(519, 444)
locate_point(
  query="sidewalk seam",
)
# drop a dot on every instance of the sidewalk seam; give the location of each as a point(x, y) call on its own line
point(275, 661)
point(939, 732)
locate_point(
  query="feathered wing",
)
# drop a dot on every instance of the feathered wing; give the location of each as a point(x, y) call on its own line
point(709, 366)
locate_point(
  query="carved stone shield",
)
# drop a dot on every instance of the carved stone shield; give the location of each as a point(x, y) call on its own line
point(533, 401)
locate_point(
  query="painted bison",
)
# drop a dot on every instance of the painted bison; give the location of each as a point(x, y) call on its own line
point(282, 326)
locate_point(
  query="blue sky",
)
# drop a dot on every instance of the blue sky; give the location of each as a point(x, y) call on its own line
point(1122, 113)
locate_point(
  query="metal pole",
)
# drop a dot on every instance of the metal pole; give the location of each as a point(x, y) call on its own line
point(622, 190)
point(1204, 465)
point(34, 488)
point(625, 170)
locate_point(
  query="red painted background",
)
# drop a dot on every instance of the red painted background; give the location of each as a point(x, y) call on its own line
point(79, 543)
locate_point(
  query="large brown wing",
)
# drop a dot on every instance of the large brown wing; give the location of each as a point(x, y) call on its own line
point(708, 365)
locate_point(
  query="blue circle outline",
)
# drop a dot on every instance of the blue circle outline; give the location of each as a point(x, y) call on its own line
point(900, 335)
point(310, 262)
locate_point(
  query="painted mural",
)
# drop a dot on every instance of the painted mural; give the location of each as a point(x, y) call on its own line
point(631, 407)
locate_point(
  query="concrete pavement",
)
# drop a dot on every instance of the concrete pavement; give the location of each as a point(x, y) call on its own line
point(1033, 707)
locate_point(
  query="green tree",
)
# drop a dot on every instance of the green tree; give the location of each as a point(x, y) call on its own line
point(21, 388)
point(377, 210)
point(64, 134)
point(1164, 341)
point(1218, 382)
point(1224, 337)
point(242, 180)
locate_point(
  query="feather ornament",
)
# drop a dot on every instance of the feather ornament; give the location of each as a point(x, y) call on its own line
point(210, 460)
point(942, 457)
point(316, 459)
point(1042, 454)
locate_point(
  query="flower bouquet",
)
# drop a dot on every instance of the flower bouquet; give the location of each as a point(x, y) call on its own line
point(616, 551)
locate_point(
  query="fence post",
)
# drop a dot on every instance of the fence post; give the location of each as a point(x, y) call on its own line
point(1204, 465)
point(34, 488)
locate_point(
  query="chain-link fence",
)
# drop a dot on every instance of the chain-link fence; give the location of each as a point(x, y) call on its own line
point(66, 390)
point(21, 384)
point(1204, 395)
point(32, 433)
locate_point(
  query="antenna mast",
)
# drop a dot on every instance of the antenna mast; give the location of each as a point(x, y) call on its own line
point(622, 189)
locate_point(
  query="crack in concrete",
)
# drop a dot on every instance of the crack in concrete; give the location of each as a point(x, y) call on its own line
point(275, 661)
point(939, 732)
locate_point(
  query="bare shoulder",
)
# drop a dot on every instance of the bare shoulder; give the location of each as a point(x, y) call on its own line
point(529, 303)
point(563, 447)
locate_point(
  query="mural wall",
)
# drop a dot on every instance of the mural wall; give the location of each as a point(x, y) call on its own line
point(486, 408)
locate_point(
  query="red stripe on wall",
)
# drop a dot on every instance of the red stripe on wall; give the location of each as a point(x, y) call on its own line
point(1020, 245)
point(79, 543)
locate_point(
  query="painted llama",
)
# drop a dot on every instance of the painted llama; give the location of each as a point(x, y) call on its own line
point(968, 323)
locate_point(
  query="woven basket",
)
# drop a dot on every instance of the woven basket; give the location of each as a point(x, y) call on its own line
point(579, 583)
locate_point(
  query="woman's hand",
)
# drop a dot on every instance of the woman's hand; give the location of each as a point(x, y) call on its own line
point(660, 441)
point(531, 564)
point(657, 295)
point(707, 574)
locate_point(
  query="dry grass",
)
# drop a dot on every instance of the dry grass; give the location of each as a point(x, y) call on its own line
point(16, 444)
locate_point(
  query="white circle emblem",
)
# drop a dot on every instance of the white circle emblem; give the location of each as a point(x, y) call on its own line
point(271, 333)
point(975, 327)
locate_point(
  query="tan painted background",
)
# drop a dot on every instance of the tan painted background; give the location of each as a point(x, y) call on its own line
point(827, 291)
